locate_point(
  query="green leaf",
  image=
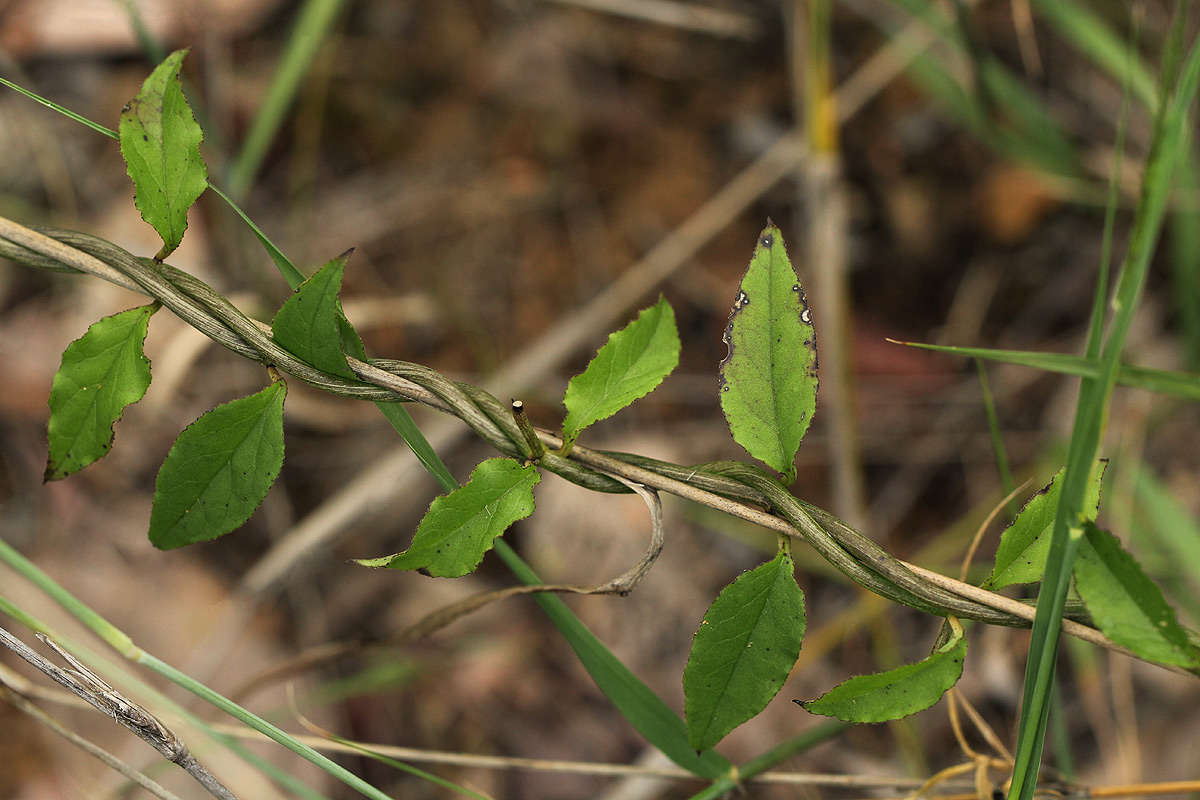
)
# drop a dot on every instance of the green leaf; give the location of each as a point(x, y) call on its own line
point(1125, 604)
point(219, 470)
point(896, 693)
point(630, 365)
point(1021, 556)
point(644, 710)
point(742, 653)
point(160, 142)
point(460, 527)
point(311, 324)
point(102, 372)
point(769, 377)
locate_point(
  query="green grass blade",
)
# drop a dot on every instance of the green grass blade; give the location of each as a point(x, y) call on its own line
point(1037, 136)
point(312, 26)
point(1081, 27)
point(1091, 413)
point(1179, 384)
point(262, 726)
point(112, 636)
point(146, 40)
point(287, 269)
point(1170, 535)
point(1025, 133)
point(1060, 734)
point(403, 423)
point(1096, 319)
point(1185, 265)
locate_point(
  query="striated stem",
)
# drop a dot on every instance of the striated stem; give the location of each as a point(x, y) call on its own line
point(740, 490)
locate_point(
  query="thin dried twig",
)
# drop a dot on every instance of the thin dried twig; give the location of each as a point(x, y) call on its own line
point(93, 689)
point(615, 770)
point(985, 730)
point(1027, 612)
point(751, 489)
point(578, 767)
point(107, 758)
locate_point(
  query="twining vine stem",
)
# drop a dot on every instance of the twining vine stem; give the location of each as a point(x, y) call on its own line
point(738, 489)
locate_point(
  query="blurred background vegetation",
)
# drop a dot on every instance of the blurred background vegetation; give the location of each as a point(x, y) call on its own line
point(498, 164)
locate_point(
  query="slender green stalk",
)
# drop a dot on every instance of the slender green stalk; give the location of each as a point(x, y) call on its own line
point(1090, 417)
point(820, 116)
point(1185, 263)
point(998, 110)
point(1089, 33)
point(310, 31)
point(287, 269)
point(1180, 384)
point(66, 112)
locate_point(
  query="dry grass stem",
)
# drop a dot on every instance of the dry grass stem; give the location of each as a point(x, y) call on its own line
point(93, 689)
point(99, 753)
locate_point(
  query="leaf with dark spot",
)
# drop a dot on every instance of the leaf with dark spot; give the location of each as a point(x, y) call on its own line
point(769, 377)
